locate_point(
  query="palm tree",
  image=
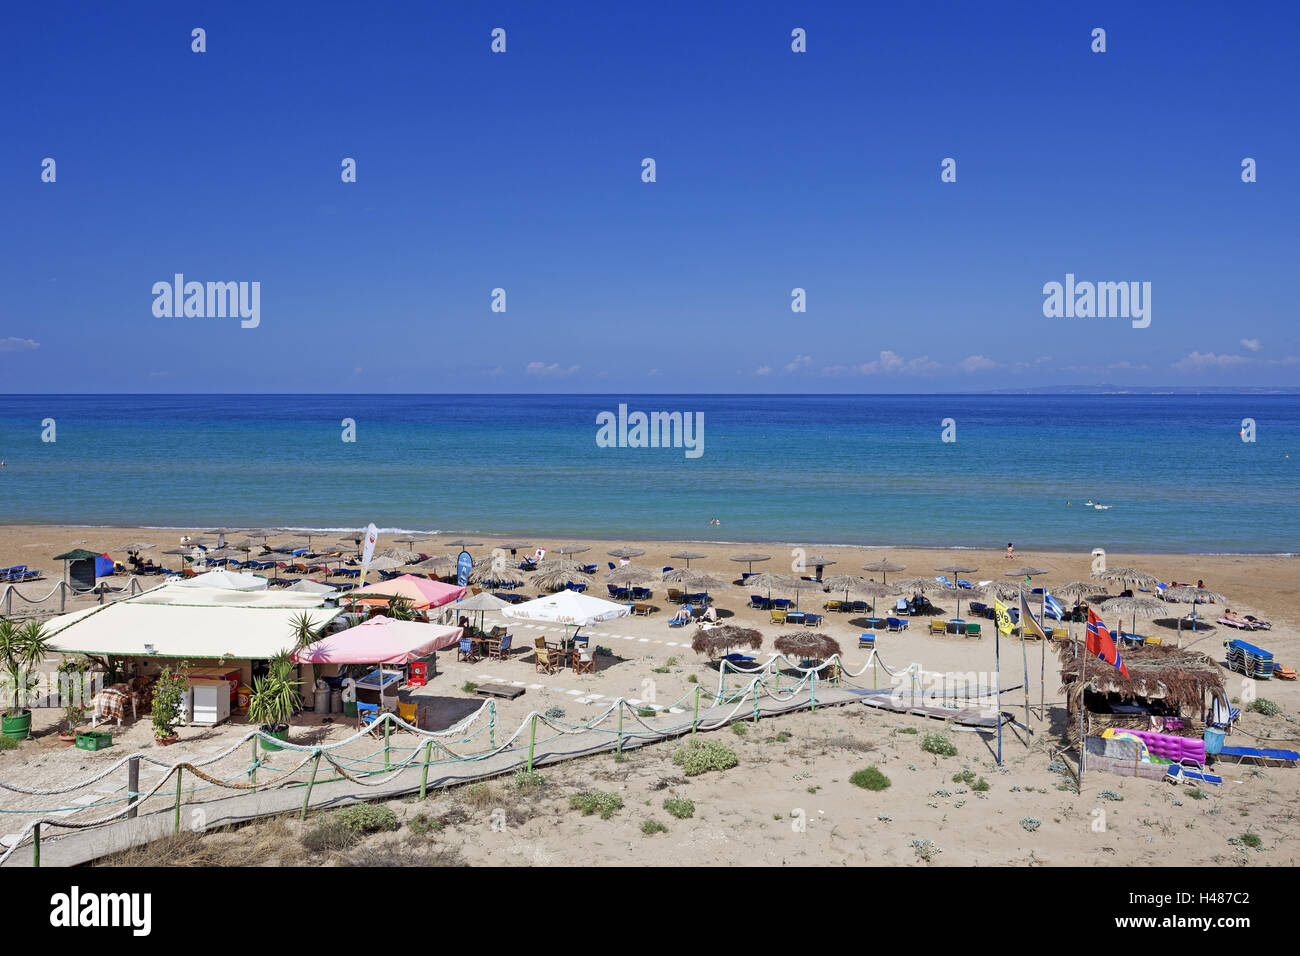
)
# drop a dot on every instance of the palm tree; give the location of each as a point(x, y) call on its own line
point(21, 650)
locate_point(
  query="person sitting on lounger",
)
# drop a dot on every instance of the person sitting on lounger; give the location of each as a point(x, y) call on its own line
point(711, 615)
point(683, 615)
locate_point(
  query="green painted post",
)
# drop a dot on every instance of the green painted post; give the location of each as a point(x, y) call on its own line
point(388, 724)
point(532, 740)
point(424, 774)
point(812, 691)
point(306, 800)
point(36, 846)
point(492, 725)
point(756, 700)
point(695, 722)
point(252, 771)
point(179, 772)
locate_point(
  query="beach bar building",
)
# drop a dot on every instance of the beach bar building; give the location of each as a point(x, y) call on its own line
point(172, 623)
point(1169, 690)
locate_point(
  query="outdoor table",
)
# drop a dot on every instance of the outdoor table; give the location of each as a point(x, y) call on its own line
point(875, 622)
point(370, 689)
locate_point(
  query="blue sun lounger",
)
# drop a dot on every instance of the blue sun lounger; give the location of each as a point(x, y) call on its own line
point(1189, 771)
point(1259, 754)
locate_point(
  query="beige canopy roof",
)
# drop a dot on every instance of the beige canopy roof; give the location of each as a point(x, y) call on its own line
point(194, 623)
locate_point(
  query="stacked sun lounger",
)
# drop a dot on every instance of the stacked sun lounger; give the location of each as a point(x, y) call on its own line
point(1250, 660)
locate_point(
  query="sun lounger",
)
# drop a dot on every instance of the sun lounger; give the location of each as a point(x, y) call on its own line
point(867, 641)
point(1282, 672)
point(938, 627)
point(1189, 771)
point(757, 602)
point(1260, 755)
point(812, 620)
point(1239, 625)
point(895, 624)
point(943, 579)
point(1250, 660)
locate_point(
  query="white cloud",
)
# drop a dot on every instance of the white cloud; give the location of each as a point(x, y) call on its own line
point(800, 362)
point(976, 363)
point(541, 368)
point(1204, 360)
point(1251, 345)
point(893, 363)
point(15, 344)
point(763, 370)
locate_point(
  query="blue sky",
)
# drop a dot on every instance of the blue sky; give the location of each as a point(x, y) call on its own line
point(522, 170)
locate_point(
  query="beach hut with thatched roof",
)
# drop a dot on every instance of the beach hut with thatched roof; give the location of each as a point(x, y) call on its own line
point(1167, 687)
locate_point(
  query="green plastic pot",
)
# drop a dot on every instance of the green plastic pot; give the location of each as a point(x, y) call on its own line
point(17, 728)
point(280, 733)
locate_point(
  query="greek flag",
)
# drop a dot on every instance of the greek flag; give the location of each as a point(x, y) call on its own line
point(1052, 607)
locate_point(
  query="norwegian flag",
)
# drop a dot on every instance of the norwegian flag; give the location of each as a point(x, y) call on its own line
point(1102, 644)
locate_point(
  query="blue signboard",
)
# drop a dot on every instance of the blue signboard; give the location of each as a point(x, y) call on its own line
point(464, 564)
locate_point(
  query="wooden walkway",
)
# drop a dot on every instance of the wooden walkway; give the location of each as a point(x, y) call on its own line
point(72, 848)
point(926, 705)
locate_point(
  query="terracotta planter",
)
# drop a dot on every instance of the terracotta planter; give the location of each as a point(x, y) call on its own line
point(67, 739)
point(167, 741)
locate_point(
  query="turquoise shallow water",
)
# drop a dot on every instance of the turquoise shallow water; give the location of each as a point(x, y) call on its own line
point(866, 470)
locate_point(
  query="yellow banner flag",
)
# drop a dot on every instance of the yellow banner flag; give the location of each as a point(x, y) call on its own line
point(1003, 616)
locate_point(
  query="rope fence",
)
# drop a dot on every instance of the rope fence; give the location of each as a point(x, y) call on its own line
point(622, 721)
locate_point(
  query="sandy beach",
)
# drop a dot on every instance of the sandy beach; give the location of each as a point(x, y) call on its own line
point(796, 767)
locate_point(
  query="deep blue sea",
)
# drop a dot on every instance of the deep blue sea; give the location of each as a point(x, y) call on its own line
point(868, 470)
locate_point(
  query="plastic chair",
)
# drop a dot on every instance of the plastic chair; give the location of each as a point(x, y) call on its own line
point(366, 714)
point(408, 713)
point(419, 674)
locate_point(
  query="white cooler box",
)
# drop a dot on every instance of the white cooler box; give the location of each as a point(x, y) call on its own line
point(211, 702)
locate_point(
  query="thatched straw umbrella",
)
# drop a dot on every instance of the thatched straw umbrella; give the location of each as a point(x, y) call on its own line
point(768, 582)
point(625, 552)
point(697, 580)
point(485, 570)
point(555, 579)
point(404, 555)
point(633, 575)
point(1147, 607)
point(718, 641)
point(805, 644)
point(688, 556)
point(1131, 576)
point(919, 584)
point(855, 584)
point(513, 546)
point(572, 549)
point(883, 567)
point(749, 557)
point(1076, 590)
point(817, 562)
point(561, 564)
point(481, 602)
point(846, 583)
point(1186, 594)
point(954, 570)
point(386, 562)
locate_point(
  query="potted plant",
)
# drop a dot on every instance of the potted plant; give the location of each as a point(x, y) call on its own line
point(72, 691)
point(168, 694)
point(275, 699)
point(21, 650)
